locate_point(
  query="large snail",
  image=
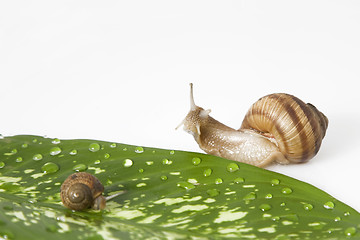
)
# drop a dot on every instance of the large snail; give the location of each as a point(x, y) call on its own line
point(82, 190)
point(278, 127)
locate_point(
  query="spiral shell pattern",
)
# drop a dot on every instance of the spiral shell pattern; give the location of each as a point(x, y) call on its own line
point(296, 127)
point(79, 190)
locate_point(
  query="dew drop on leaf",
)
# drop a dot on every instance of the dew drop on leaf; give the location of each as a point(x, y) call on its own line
point(50, 167)
point(329, 205)
point(128, 163)
point(350, 231)
point(196, 161)
point(249, 196)
point(2, 165)
point(94, 147)
point(232, 167)
point(286, 190)
point(213, 192)
point(218, 181)
point(25, 145)
point(275, 182)
point(166, 161)
point(73, 152)
point(239, 180)
point(268, 196)
point(265, 207)
point(186, 185)
point(107, 156)
point(37, 157)
point(163, 177)
point(97, 162)
point(55, 151)
point(207, 172)
point(56, 141)
point(139, 149)
point(19, 159)
point(308, 207)
point(80, 167)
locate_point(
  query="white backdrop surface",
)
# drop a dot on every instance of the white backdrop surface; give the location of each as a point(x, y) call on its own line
point(120, 71)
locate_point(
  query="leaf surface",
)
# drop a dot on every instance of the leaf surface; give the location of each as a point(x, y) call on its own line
point(168, 195)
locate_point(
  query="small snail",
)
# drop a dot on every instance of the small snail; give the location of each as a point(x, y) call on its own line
point(278, 127)
point(82, 190)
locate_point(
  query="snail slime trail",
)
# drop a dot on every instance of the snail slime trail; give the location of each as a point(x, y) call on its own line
point(277, 128)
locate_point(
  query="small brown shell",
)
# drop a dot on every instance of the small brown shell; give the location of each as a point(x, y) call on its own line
point(298, 128)
point(80, 191)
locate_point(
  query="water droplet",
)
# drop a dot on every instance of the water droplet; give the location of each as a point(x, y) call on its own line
point(128, 163)
point(97, 162)
point(113, 145)
point(139, 150)
point(141, 170)
point(308, 207)
point(19, 159)
point(268, 196)
point(186, 185)
point(196, 161)
point(250, 196)
point(107, 156)
point(12, 152)
point(2, 165)
point(213, 192)
point(286, 190)
point(166, 161)
point(73, 152)
point(37, 157)
point(346, 214)
point(172, 152)
point(50, 167)
point(218, 181)
point(56, 141)
point(329, 205)
point(149, 163)
point(337, 219)
point(239, 180)
point(265, 207)
point(163, 177)
point(55, 151)
point(80, 167)
point(25, 145)
point(232, 167)
point(275, 182)
point(94, 147)
point(207, 172)
point(350, 231)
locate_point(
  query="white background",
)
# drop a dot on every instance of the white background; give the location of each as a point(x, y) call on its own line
point(120, 71)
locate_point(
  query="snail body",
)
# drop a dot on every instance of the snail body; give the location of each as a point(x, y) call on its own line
point(278, 127)
point(81, 191)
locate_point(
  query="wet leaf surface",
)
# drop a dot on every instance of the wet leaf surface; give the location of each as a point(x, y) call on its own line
point(168, 195)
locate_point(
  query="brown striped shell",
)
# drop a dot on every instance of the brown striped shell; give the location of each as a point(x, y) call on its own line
point(81, 191)
point(296, 127)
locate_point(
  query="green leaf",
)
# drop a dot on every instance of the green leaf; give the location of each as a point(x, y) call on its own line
point(169, 195)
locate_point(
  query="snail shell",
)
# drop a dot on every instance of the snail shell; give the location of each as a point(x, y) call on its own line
point(296, 127)
point(81, 191)
point(278, 127)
